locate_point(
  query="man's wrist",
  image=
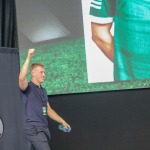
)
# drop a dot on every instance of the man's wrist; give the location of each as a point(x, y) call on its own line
point(63, 122)
point(28, 59)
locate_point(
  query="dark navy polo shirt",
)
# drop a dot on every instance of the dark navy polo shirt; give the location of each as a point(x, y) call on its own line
point(35, 98)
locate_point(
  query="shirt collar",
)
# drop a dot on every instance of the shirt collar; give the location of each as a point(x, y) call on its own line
point(35, 84)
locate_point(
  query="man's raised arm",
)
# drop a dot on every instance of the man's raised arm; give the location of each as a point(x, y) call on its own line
point(23, 83)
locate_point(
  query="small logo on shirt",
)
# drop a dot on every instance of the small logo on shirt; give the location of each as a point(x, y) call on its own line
point(44, 110)
point(1, 128)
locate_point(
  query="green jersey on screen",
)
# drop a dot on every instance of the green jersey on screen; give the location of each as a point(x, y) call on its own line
point(131, 35)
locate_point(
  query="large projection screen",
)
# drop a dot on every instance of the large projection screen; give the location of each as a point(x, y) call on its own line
point(61, 33)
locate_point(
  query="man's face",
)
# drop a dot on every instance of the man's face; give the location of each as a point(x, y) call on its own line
point(38, 73)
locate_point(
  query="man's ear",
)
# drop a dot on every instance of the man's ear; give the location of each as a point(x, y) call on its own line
point(32, 73)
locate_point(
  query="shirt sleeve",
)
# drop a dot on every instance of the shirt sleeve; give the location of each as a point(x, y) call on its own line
point(27, 90)
point(102, 11)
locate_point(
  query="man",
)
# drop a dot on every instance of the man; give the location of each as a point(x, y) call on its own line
point(129, 49)
point(37, 106)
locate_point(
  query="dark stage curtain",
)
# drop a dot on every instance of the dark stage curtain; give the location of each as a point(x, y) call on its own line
point(11, 107)
point(8, 24)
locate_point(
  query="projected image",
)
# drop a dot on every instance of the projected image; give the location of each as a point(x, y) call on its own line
point(119, 52)
point(60, 31)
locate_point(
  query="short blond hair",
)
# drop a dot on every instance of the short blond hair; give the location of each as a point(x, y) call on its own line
point(34, 65)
